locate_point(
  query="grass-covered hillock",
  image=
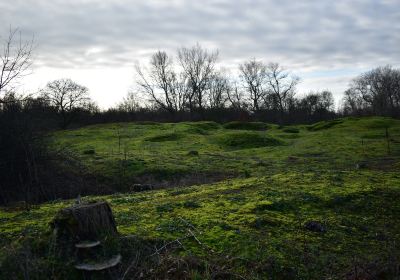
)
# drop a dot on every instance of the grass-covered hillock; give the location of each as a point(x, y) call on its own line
point(290, 130)
point(246, 140)
point(126, 153)
point(240, 125)
point(321, 205)
point(324, 125)
point(205, 125)
point(164, 137)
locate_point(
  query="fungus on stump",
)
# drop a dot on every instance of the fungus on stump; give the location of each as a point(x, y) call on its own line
point(86, 221)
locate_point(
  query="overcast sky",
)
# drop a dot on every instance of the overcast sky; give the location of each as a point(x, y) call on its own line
point(97, 42)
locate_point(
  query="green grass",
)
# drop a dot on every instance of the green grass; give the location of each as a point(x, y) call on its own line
point(290, 130)
point(324, 125)
point(252, 223)
point(164, 137)
point(246, 125)
point(245, 140)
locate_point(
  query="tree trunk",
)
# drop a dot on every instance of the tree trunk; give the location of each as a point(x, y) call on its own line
point(86, 221)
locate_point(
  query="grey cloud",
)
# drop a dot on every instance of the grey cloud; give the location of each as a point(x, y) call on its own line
point(308, 33)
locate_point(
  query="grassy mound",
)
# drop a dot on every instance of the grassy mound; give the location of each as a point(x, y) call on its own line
point(164, 137)
point(246, 125)
point(291, 130)
point(202, 128)
point(196, 130)
point(381, 123)
point(245, 140)
point(324, 125)
point(206, 125)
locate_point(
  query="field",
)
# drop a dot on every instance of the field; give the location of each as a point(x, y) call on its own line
point(233, 201)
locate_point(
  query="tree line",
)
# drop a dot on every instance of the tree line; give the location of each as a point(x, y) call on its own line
point(194, 87)
point(191, 86)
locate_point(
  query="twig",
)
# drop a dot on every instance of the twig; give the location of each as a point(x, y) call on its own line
point(189, 224)
point(166, 245)
point(194, 236)
point(130, 266)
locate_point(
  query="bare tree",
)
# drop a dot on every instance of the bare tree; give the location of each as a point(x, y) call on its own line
point(352, 102)
point(16, 59)
point(218, 89)
point(316, 103)
point(162, 84)
point(282, 86)
point(130, 103)
point(327, 101)
point(379, 89)
point(253, 76)
point(66, 96)
point(198, 66)
point(236, 97)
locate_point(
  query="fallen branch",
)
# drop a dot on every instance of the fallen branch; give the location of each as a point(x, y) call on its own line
point(189, 224)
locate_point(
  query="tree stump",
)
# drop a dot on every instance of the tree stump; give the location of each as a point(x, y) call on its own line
point(85, 221)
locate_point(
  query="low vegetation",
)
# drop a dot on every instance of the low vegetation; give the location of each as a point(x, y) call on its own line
point(324, 125)
point(321, 205)
point(247, 140)
point(246, 125)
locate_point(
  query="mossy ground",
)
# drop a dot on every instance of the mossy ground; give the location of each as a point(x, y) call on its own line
point(256, 219)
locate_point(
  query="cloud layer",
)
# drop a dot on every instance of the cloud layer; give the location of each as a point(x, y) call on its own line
point(308, 36)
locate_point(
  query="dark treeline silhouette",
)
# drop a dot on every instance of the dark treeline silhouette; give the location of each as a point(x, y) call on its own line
point(190, 88)
point(376, 92)
point(30, 170)
point(22, 149)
